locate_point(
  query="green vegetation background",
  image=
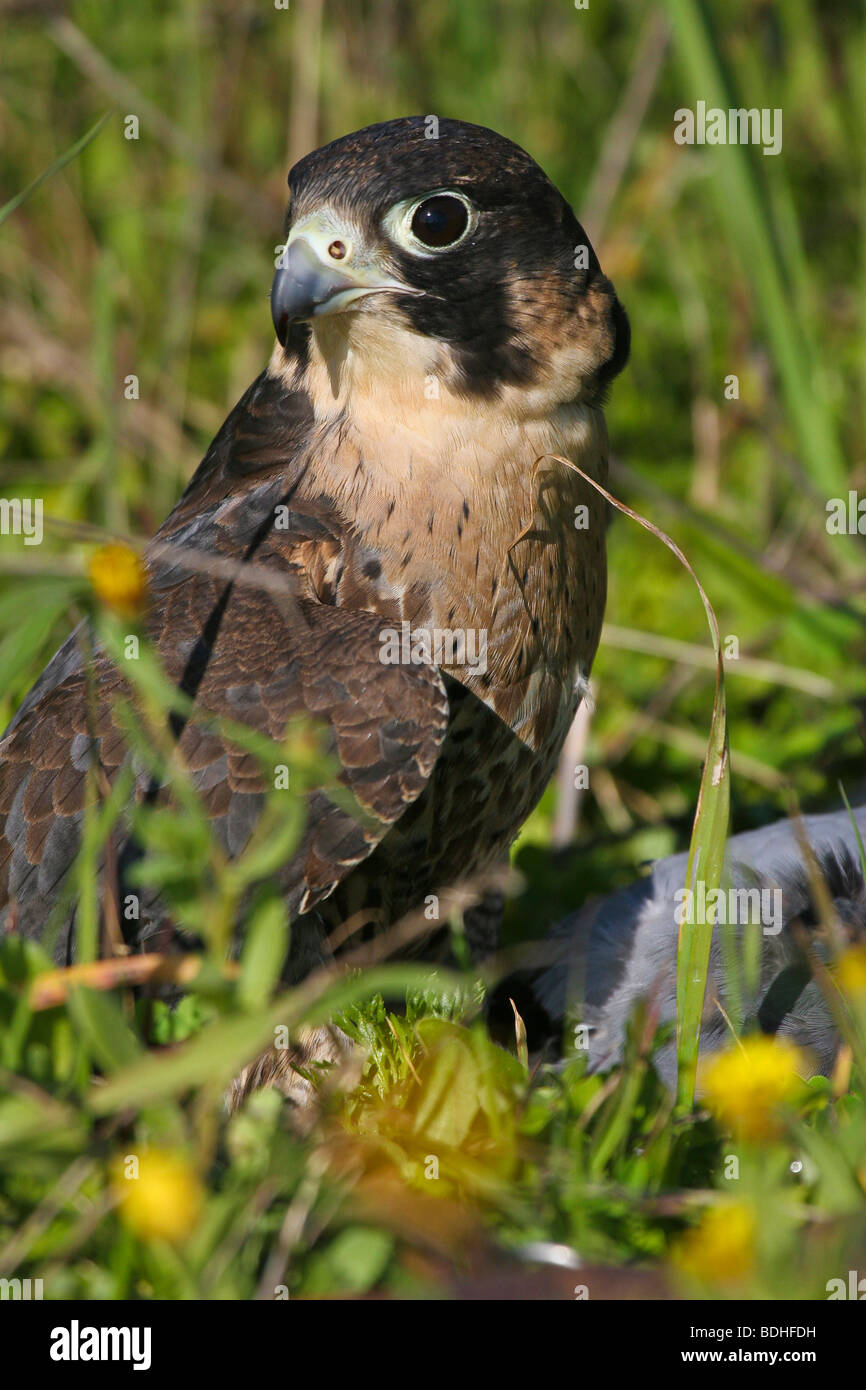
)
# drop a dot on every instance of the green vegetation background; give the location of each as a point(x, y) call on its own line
point(154, 257)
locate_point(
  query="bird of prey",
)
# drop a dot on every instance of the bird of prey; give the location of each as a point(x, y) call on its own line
point(602, 960)
point(443, 324)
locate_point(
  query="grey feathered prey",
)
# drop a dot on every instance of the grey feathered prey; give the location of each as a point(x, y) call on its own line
point(618, 950)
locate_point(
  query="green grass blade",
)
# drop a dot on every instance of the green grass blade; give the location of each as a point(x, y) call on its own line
point(59, 163)
point(860, 848)
point(741, 208)
point(709, 833)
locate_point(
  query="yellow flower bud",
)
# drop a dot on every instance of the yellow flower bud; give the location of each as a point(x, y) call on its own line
point(745, 1086)
point(721, 1248)
point(159, 1195)
point(119, 579)
point(850, 972)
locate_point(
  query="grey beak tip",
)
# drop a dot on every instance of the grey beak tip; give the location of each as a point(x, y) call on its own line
point(301, 285)
point(280, 307)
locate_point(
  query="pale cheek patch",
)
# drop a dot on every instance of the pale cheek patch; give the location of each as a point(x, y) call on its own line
point(361, 355)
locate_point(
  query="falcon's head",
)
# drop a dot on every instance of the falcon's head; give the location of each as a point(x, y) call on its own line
point(441, 248)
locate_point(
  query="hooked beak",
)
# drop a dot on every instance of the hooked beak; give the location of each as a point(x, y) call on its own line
point(312, 281)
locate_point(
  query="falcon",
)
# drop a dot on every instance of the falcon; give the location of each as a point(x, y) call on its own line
point(435, 580)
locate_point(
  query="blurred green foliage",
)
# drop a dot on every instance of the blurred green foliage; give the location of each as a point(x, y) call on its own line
point(152, 258)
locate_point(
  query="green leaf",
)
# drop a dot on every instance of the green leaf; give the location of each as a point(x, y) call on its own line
point(24, 1119)
point(359, 1257)
point(449, 1099)
point(20, 647)
point(266, 945)
point(105, 1032)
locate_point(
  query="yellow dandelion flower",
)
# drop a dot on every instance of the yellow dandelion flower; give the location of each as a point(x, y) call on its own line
point(850, 972)
point(159, 1195)
point(745, 1086)
point(119, 579)
point(720, 1249)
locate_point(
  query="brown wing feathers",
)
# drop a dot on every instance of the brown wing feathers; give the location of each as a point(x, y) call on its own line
point(241, 654)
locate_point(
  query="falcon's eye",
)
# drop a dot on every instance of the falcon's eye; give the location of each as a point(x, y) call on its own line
point(440, 221)
point(436, 222)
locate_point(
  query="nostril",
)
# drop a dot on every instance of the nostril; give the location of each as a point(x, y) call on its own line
point(338, 250)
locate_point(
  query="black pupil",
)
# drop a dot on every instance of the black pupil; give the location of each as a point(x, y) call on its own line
point(440, 221)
